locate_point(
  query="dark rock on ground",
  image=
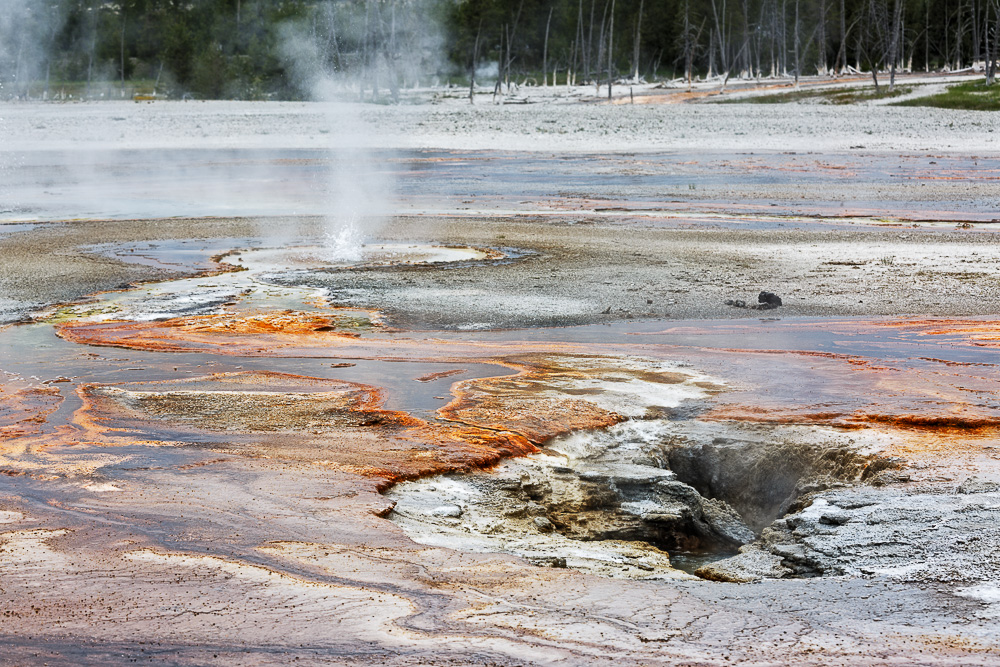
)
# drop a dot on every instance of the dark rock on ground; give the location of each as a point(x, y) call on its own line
point(769, 299)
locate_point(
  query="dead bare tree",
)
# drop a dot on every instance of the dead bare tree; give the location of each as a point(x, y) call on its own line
point(796, 45)
point(600, 50)
point(721, 34)
point(875, 46)
point(590, 41)
point(974, 19)
point(611, 35)
point(745, 47)
point(992, 41)
point(821, 38)
point(92, 47)
point(122, 53)
point(842, 64)
point(688, 43)
point(545, 52)
point(474, 63)
point(927, 35)
point(496, 86)
point(759, 39)
point(637, 43)
point(896, 29)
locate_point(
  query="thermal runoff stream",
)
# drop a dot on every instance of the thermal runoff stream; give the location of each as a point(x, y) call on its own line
point(517, 407)
point(644, 439)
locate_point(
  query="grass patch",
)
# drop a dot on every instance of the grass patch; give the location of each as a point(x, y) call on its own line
point(974, 96)
point(79, 90)
point(835, 96)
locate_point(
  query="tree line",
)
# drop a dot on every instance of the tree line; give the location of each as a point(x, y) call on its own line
point(240, 49)
point(273, 49)
point(576, 41)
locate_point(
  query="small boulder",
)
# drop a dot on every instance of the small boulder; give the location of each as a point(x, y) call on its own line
point(749, 566)
point(447, 511)
point(769, 299)
point(549, 561)
point(978, 485)
point(543, 524)
point(835, 517)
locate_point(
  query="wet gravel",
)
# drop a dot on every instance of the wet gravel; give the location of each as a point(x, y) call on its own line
point(574, 274)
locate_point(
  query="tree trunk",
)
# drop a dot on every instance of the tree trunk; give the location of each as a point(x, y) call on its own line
point(774, 34)
point(745, 47)
point(993, 48)
point(958, 37)
point(711, 53)
point(475, 64)
point(93, 47)
point(496, 87)
point(821, 37)
point(122, 44)
point(897, 17)
point(590, 42)
point(389, 52)
point(156, 84)
point(611, 37)
point(507, 63)
point(638, 42)
point(687, 42)
point(600, 51)
point(720, 30)
point(947, 33)
point(796, 45)
point(545, 52)
point(759, 45)
point(784, 38)
point(976, 52)
point(571, 68)
point(927, 35)
point(843, 36)
point(510, 42)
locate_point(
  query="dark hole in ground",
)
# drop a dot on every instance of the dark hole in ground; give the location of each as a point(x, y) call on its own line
point(697, 500)
point(762, 481)
point(696, 490)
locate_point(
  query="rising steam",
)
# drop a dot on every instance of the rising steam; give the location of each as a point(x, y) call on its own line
point(344, 56)
point(360, 193)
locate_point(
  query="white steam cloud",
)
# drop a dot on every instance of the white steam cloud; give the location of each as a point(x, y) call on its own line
point(117, 159)
point(27, 32)
point(360, 193)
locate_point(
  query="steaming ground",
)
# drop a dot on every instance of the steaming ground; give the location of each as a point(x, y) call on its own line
point(207, 558)
point(574, 274)
point(582, 267)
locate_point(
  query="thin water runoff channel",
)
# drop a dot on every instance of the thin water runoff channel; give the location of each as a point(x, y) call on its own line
point(515, 416)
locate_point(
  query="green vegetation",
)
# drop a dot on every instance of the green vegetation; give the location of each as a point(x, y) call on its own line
point(826, 96)
point(238, 49)
point(273, 49)
point(975, 96)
